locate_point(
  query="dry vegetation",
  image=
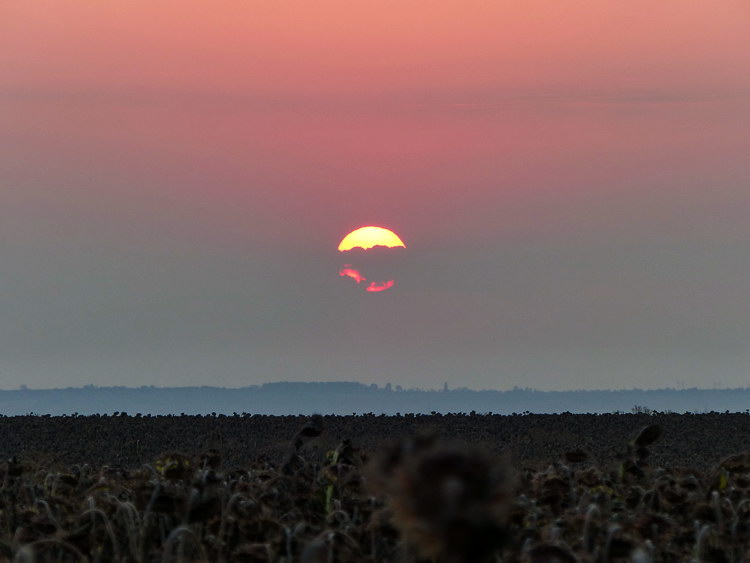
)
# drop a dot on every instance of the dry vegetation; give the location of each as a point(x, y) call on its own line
point(446, 488)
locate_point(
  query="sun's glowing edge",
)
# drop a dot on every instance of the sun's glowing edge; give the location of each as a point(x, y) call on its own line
point(370, 237)
point(382, 286)
point(349, 272)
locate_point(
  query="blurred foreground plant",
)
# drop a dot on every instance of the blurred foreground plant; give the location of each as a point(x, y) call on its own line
point(449, 501)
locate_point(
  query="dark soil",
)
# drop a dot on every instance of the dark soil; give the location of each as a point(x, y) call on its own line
point(698, 440)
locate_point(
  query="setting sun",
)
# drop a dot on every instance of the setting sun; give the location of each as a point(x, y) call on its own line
point(374, 248)
point(368, 237)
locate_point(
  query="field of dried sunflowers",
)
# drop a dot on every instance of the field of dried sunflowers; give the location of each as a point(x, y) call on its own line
point(447, 488)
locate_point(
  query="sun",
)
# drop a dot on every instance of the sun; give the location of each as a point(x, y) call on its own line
point(369, 237)
point(375, 248)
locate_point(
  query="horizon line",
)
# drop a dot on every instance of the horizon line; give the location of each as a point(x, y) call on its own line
point(395, 388)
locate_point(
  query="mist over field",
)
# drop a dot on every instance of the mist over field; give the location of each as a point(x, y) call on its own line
point(346, 398)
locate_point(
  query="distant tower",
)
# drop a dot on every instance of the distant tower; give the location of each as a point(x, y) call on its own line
point(445, 387)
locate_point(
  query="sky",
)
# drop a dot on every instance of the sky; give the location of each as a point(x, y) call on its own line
point(571, 181)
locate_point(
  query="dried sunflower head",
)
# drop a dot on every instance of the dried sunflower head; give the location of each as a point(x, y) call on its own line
point(449, 501)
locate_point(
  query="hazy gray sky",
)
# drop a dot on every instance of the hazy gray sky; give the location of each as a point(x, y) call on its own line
point(572, 185)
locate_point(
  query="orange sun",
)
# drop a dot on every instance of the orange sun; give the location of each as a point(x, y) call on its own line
point(366, 244)
point(369, 237)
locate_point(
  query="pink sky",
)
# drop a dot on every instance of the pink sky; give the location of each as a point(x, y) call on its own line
point(376, 105)
point(140, 141)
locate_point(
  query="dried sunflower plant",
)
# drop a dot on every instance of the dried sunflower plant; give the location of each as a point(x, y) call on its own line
point(316, 497)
